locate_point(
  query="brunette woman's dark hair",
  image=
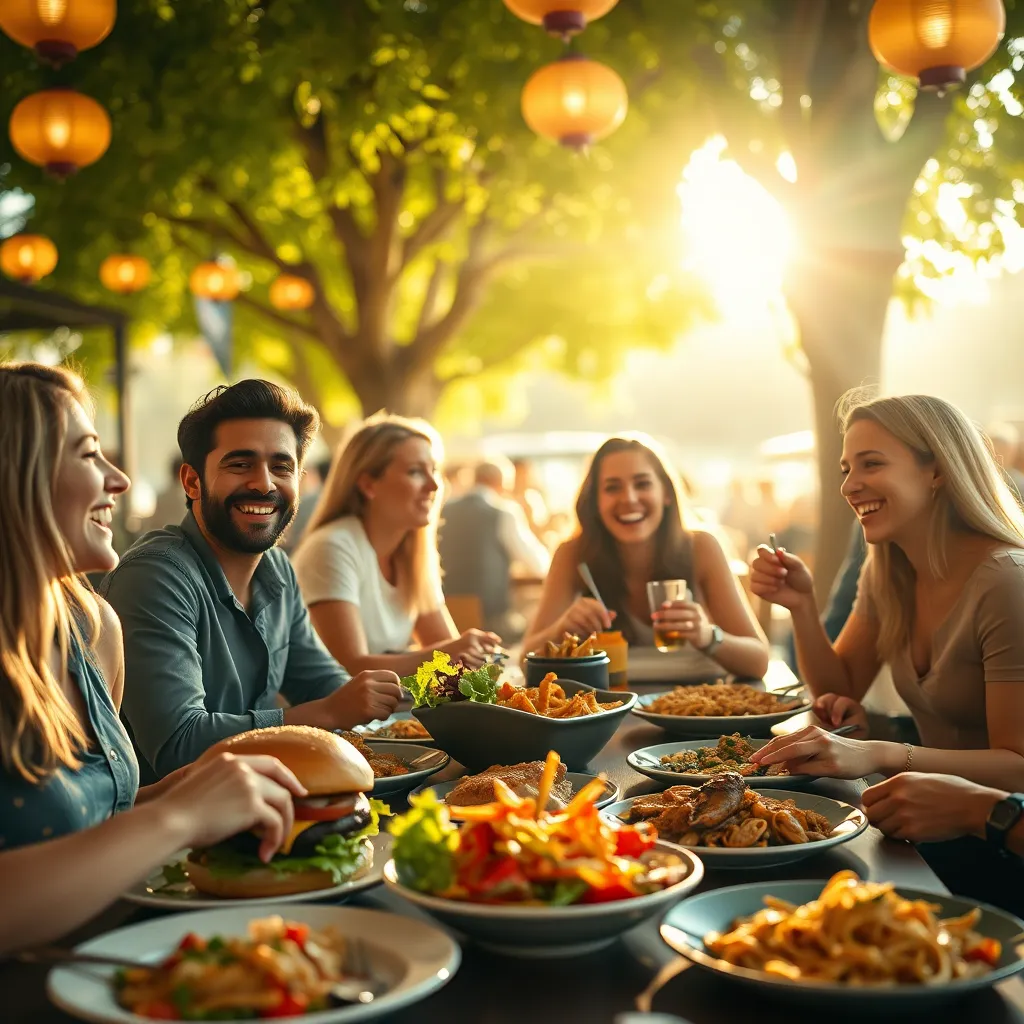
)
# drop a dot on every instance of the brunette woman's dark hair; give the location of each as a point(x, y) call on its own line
point(598, 549)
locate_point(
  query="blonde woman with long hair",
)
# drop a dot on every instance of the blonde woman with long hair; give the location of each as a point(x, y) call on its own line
point(368, 564)
point(75, 829)
point(941, 602)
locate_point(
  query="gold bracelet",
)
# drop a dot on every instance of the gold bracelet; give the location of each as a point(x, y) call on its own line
point(910, 756)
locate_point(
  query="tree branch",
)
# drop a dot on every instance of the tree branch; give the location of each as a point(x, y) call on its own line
point(259, 243)
point(434, 224)
point(430, 297)
point(277, 317)
point(214, 229)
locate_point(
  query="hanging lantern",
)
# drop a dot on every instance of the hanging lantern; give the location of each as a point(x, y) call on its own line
point(27, 258)
point(60, 130)
point(124, 274)
point(58, 30)
point(935, 41)
point(575, 101)
point(291, 292)
point(216, 279)
point(563, 18)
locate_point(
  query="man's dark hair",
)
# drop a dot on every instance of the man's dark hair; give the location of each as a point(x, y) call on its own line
point(246, 400)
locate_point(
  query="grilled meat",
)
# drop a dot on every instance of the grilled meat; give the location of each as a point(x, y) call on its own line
point(523, 779)
point(719, 798)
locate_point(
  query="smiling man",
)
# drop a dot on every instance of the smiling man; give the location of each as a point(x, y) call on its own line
point(214, 624)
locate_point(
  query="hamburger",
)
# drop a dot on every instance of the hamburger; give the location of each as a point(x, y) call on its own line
point(330, 840)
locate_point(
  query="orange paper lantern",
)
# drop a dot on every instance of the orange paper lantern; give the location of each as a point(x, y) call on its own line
point(58, 30)
point(28, 258)
point(215, 280)
point(563, 18)
point(291, 292)
point(935, 41)
point(575, 101)
point(60, 130)
point(124, 274)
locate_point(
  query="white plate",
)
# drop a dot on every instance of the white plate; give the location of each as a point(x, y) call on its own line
point(366, 731)
point(414, 957)
point(847, 822)
point(695, 725)
point(640, 760)
point(144, 893)
point(576, 779)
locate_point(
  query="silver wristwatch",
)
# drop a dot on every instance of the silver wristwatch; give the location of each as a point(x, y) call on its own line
point(717, 636)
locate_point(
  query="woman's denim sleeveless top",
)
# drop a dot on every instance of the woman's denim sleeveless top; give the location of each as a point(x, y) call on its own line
point(68, 801)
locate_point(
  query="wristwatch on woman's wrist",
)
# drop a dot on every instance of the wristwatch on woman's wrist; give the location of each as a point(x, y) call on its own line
point(717, 636)
point(1003, 816)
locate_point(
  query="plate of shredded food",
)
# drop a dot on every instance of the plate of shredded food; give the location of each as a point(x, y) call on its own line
point(733, 826)
point(481, 721)
point(400, 727)
point(694, 762)
point(397, 767)
point(531, 882)
point(524, 780)
point(229, 965)
point(711, 709)
point(871, 942)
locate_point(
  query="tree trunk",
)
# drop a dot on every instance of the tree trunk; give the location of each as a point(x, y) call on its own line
point(840, 300)
point(399, 390)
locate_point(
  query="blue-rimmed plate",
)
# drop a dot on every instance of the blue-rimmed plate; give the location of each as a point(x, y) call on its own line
point(718, 725)
point(421, 761)
point(647, 761)
point(382, 728)
point(688, 922)
point(576, 779)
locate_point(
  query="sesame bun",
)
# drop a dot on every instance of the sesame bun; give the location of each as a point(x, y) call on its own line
point(322, 761)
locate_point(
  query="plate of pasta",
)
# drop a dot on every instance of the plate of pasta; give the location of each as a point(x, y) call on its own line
point(871, 942)
point(713, 709)
point(731, 825)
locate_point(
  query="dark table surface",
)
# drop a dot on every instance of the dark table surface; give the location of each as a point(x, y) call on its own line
point(494, 989)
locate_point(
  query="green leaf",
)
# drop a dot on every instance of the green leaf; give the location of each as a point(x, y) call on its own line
point(481, 685)
point(425, 844)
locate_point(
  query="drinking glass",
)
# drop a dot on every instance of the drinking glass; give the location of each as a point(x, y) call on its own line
point(658, 592)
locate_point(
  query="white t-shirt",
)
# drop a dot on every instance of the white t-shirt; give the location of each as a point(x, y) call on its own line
point(338, 563)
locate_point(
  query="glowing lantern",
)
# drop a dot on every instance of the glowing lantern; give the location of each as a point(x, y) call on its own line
point(935, 41)
point(60, 130)
point(27, 258)
point(560, 17)
point(58, 30)
point(124, 274)
point(217, 280)
point(575, 101)
point(291, 292)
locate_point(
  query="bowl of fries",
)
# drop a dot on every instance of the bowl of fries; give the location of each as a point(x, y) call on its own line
point(526, 722)
point(569, 658)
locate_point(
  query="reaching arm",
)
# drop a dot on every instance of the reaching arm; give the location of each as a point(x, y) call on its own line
point(166, 704)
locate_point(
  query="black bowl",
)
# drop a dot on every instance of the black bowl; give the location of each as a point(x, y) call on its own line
point(591, 670)
point(479, 735)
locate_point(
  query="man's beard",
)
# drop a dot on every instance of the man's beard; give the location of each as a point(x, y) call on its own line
point(257, 538)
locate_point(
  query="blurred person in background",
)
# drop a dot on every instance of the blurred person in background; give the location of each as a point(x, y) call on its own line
point(484, 535)
point(1005, 440)
point(311, 488)
point(528, 493)
point(631, 531)
point(170, 502)
point(213, 619)
point(368, 564)
point(77, 829)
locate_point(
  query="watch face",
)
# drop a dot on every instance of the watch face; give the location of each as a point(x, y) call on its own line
point(1005, 814)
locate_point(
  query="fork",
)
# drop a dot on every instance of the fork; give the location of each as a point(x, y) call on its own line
point(360, 985)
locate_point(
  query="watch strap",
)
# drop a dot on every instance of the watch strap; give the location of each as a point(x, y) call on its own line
point(717, 636)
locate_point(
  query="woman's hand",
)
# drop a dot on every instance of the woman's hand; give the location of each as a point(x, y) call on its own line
point(472, 648)
point(929, 808)
point(230, 793)
point(833, 711)
point(583, 617)
point(812, 751)
point(781, 578)
point(687, 618)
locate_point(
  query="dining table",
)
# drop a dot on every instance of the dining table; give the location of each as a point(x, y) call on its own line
point(638, 971)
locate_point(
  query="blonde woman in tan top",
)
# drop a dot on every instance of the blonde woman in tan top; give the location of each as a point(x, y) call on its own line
point(941, 601)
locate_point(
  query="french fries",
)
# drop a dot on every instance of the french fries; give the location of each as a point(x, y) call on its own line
point(550, 700)
point(571, 647)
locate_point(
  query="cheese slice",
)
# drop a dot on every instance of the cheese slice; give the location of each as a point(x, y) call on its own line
point(297, 829)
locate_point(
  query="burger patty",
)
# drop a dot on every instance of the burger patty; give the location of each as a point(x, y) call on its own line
point(523, 779)
point(307, 841)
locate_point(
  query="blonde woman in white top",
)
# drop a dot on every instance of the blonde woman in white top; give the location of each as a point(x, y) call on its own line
point(368, 564)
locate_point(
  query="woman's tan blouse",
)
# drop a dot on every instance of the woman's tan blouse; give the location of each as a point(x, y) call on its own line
point(981, 641)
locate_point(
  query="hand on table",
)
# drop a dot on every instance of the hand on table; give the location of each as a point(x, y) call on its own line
point(782, 579)
point(925, 808)
point(812, 751)
point(368, 695)
point(687, 618)
point(833, 711)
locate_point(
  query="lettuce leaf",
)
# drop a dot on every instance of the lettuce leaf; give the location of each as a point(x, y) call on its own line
point(338, 856)
point(441, 680)
point(425, 844)
point(481, 685)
